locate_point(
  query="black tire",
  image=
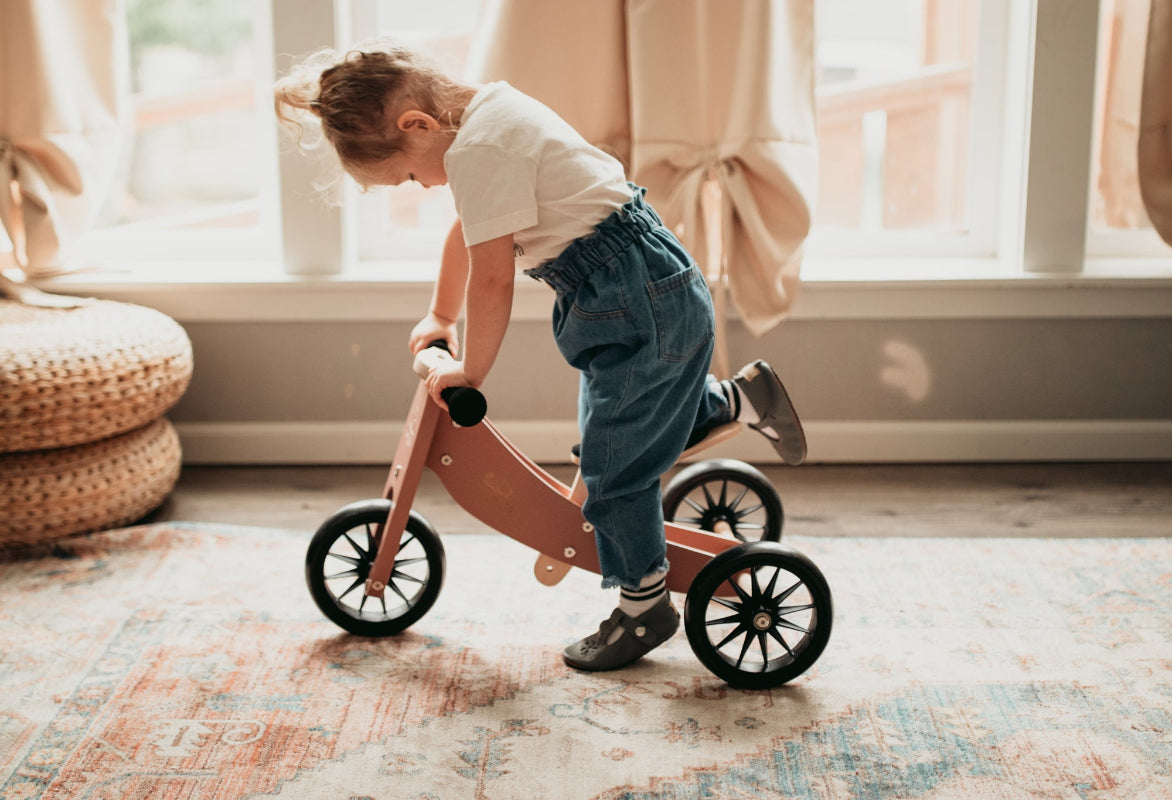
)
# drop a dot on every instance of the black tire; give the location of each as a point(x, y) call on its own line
point(339, 559)
point(723, 492)
point(773, 629)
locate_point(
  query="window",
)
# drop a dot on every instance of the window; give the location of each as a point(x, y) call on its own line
point(944, 134)
point(410, 221)
point(895, 108)
point(197, 177)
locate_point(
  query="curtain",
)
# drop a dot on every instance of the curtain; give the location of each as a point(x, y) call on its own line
point(62, 77)
point(708, 103)
point(1154, 150)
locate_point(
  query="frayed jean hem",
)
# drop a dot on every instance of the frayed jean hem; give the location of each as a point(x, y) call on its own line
point(612, 582)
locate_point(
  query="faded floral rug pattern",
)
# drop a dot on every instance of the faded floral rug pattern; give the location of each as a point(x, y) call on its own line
point(185, 662)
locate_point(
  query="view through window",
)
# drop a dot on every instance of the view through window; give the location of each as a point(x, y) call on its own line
point(897, 102)
point(894, 117)
point(894, 113)
point(196, 160)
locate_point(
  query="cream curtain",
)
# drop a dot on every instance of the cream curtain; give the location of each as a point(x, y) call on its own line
point(61, 92)
point(1155, 121)
point(710, 105)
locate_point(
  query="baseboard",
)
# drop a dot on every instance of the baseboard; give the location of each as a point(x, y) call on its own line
point(549, 441)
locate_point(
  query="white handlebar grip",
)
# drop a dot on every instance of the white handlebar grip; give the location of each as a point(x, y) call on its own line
point(428, 359)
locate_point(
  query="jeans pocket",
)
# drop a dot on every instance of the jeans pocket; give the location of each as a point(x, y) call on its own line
point(591, 320)
point(682, 307)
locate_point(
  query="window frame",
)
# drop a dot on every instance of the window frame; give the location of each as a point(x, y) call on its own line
point(1035, 214)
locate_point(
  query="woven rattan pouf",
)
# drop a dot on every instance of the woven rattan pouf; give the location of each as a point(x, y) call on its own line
point(49, 494)
point(83, 445)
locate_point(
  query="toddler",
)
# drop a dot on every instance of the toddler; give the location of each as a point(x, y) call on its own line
point(632, 311)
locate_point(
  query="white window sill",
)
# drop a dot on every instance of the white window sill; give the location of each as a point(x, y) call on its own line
point(907, 288)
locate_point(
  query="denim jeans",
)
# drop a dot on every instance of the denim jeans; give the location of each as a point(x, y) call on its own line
point(634, 315)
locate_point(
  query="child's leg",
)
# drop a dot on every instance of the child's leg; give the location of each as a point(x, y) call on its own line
point(639, 400)
point(716, 408)
point(636, 414)
point(636, 419)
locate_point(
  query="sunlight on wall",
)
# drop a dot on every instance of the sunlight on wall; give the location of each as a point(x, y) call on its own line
point(906, 370)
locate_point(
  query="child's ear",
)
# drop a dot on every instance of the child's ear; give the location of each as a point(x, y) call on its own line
point(416, 120)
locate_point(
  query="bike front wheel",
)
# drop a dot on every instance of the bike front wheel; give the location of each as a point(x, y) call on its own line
point(338, 563)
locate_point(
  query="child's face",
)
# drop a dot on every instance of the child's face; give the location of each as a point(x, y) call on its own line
point(421, 158)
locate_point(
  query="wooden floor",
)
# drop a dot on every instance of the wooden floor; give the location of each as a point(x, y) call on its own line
point(991, 500)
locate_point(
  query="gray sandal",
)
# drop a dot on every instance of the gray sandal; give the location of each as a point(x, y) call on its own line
point(641, 635)
point(779, 423)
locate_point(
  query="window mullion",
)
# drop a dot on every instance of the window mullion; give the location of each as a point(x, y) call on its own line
point(312, 230)
point(1058, 165)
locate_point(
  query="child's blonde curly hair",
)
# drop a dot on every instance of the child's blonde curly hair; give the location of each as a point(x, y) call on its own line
point(352, 94)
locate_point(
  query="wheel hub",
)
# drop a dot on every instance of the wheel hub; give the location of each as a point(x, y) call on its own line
point(717, 515)
point(762, 620)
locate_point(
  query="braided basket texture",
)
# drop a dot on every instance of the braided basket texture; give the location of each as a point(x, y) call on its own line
point(50, 494)
point(77, 375)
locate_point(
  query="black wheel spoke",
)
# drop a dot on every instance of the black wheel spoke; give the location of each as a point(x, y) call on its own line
point(730, 604)
point(403, 576)
point(735, 503)
point(395, 588)
point(708, 496)
point(744, 512)
point(347, 574)
point(795, 609)
point(744, 649)
point(772, 583)
point(781, 640)
point(696, 506)
point(363, 553)
point(351, 587)
point(731, 618)
point(764, 650)
point(785, 623)
point(756, 584)
point(779, 598)
point(351, 560)
point(740, 631)
point(741, 593)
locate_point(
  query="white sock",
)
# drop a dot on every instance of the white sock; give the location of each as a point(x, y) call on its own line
point(651, 590)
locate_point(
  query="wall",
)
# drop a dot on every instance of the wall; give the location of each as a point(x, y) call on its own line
point(990, 380)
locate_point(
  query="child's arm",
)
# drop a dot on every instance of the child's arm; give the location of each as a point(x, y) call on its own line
point(447, 298)
point(489, 301)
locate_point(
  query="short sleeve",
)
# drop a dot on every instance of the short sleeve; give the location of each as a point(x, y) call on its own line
point(494, 191)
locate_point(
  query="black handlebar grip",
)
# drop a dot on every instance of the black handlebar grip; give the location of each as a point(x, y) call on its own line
point(466, 405)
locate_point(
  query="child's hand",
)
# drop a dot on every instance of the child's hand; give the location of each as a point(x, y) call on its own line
point(448, 372)
point(429, 329)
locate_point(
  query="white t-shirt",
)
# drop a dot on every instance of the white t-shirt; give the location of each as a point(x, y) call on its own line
point(517, 167)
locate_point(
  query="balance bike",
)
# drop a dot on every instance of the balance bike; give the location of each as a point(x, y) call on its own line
point(757, 612)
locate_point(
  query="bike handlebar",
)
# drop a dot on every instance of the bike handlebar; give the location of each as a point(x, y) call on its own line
point(466, 405)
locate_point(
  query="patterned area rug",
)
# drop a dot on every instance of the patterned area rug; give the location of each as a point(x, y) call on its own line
point(187, 662)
